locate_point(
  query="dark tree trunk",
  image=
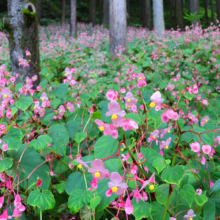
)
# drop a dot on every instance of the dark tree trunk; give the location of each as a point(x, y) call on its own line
point(179, 14)
point(105, 12)
point(218, 9)
point(212, 11)
point(141, 16)
point(128, 12)
point(118, 26)
point(73, 26)
point(21, 24)
point(206, 12)
point(38, 8)
point(173, 13)
point(194, 7)
point(63, 11)
point(100, 11)
point(92, 12)
point(147, 14)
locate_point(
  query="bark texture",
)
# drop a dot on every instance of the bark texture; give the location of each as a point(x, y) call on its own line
point(194, 7)
point(73, 27)
point(38, 8)
point(63, 11)
point(105, 12)
point(128, 13)
point(118, 26)
point(212, 11)
point(173, 13)
point(158, 17)
point(206, 12)
point(92, 12)
point(218, 9)
point(147, 14)
point(179, 14)
point(22, 27)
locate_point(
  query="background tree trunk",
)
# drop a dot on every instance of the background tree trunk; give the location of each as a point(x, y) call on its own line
point(194, 7)
point(158, 17)
point(63, 11)
point(212, 11)
point(22, 27)
point(105, 12)
point(147, 14)
point(73, 30)
point(100, 11)
point(179, 14)
point(118, 26)
point(218, 9)
point(128, 13)
point(173, 13)
point(92, 12)
point(141, 15)
point(206, 12)
point(38, 9)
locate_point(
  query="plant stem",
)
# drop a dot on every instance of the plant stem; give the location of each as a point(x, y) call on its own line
point(41, 215)
point(165, 212)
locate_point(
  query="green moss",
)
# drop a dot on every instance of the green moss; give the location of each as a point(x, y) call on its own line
point(6, 26)
point(29, 17)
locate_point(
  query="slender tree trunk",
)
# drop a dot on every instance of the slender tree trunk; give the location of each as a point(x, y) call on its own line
point(100, 11)
point(212, 11)
point(73, 30)
point(118, 26)
point(63, 11)
point(92, 12)
point(23, 35)
point(147, 14)
point(179, 14)
point(194, 7)
point(173, 13)
point(206, 12)
point(128, 12)
point(141, 15)
point(105, 12)
point(218, 9)
point(38, 8)
point(158, 17)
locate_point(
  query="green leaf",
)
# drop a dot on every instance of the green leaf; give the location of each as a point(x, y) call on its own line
point(76, 181)
point(60, 91)
point(105, 146)
point(201, 199)
point(55, 103)
point(173, 175)
point(133, 116)
point(80, 136)
point(209, 210)
point(14, 110)
point(78, 199)
point(216, 187)
point(162, 193)
point(44, 199)
point(159, 164)
point(95, 201)
point(157, 211)
point(150, 155)
point(60, 187)
point(13, 138)
point(113, 165)
point(188, 96)
point(5, 163)
point(141, 209)
point(188, 193)
point(24, 102)
point(72, 127)
point(41, 142)
point(85, 97)
point(96, 115)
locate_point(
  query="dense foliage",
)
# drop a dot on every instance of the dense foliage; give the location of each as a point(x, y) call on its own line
point(136, 135)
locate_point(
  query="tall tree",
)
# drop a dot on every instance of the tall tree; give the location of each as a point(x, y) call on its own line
point(38, 8)
point(128, 12)
point(212, 10)
point(105, 12)
point(179, 14)
point(100, 11)
point(63, 11)
point(73, 30)
point(194, 7)
point(92, 12)
point(147, 14)
point(206, 12)
point(173, 12)
point(118, 26)
point(158, 17)
point(218, 9)
point(21, 24)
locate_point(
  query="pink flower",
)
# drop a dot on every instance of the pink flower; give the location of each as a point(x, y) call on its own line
point(141, 80)
point(70, 107)
point(217, 139)
point(190, 214)
point(199, 192)
point(204, 120)
point(4, 215)
point(107, 129)
point(81, 162)
point(116, 184)
point(116, 113)
point(61, 110)
point(193, 117)
point(123, 90)
point(165, 144)
point(128, 206)
point(130, 100)
point(16, 213)
point(98, 169)
point(144, 195)
point(6, 93)
point(28, 53)
point(111, 95)
point(153, 136)
point(44, 99)
point(129, 124)
point(145, 183)
point(1, 201)
point(206, 149)
point(94, 183)
point(211, 184)
point(4, 147)
point(17, 201)
point(195, 147)
point(203, 160)
point(164, 118)
point(68, 73)
point(205, 102)
point(165, 131)
point(156, 100)
point(8, 113)
point(137, 195)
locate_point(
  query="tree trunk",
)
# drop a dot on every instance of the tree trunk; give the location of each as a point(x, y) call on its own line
point(218, 9)
point(212, 11)
point(105, 12)
point(38, 8)
point(21, 24)
point(194, 7)
point(173, 13)
point(147, 14)
point(73, 31)
point(92, 12)
point(206, 12)
point(118, 26)
point(128, 12)
point(63, 11)
point(100, 11)
point(158, 17)
point(141, 15)
point(179, 14)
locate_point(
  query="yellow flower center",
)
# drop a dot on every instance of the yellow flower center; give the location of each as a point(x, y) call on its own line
point(26, 81)
point(168, 131)
point(19, 60)
point(166, 147)
point(60, 111)
point(140, 78)
point(102, 128)
point(5, 96)
point(191, 117)
point(129, 106)
point(80, 166)
point(25, 90)
point(41, 111)
point(97, 174)
point(1, 68)
point(67, 74)
point(34, 107)
point(69, 108)
point(152, 104)
point(206, 120)
point(190, 218)
point(122, 149)
point(16, 217)
point(151, 187)
point(56, 113)
point(42, 99)
point(154, 137)
point(24, 63)
point(128, 100)
point(114, 189)
point(114, 117)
